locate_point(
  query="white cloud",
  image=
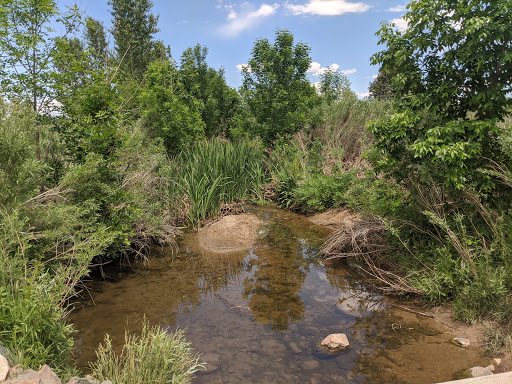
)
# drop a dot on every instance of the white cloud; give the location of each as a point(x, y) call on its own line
point(240, 22)
point(401, 23)
point(316, 69)
point(240, 67)
point(375, 76)
point(363, 94)
point(328, 7)
point(398, 8)
point(349, 71)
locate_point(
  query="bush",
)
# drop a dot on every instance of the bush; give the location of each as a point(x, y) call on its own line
point(153, 357)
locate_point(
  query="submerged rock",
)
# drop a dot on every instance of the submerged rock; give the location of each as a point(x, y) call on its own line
point(336, 341)
point(461, 342)
point(480, 371)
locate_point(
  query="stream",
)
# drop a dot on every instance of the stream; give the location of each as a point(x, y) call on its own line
point(260, 316)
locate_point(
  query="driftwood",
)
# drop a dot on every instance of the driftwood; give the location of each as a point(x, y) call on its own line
point(237, 308)
point(410, 310)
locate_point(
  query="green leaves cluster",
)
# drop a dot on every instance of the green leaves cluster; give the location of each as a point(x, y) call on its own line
point(442, 75)
point(275, 86)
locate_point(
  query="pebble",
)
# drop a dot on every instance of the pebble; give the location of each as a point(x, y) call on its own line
point(497, 361)
point(295, 349)
point(310, 365)
point(461, 342)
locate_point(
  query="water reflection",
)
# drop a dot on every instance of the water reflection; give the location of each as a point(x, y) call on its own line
point(288, 290)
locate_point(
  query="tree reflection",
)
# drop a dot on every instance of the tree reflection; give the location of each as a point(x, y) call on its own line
point(273, 290)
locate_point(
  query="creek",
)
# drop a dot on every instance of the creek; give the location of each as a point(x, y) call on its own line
point(259, 316)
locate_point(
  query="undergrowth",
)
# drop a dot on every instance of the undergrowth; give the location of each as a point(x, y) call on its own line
point(155, 356)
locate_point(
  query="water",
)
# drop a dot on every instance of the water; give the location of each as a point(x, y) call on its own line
point(259, 316)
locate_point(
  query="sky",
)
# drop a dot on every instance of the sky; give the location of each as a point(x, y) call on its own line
point(340, 33)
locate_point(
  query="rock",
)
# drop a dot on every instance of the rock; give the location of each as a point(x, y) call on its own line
point(479, 372)
point(86, 380)
point(336, 341)
point(4, 368)
point(497, 361)
point(310, 365)
point(295, 349)
point(107, 382)
point(491, 367)
point(4, 352)
point(44, 376)
point(461, 342)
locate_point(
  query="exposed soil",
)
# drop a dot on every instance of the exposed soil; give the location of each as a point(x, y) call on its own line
point(233, 233)
point(335, 218)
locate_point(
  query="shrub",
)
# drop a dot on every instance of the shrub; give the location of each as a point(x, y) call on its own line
point(153, 357)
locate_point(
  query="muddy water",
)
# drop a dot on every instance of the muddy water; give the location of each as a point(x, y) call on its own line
point(259, 316)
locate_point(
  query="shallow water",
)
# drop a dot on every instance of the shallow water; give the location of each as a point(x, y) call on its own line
point(259, 316)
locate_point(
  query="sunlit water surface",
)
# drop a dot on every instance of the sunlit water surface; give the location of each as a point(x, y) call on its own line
point(259, 316)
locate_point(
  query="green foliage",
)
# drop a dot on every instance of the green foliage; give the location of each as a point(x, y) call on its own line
point(153, 357)
point(219, 103)
point(212, 173)
point(18, 165)
point(167, 110)
point(332, 85)
point(133, 28)
point(450, 94)
point(381, 87)
point(275, 86)
point(320, 192)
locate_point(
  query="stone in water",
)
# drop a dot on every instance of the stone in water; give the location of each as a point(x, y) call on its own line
point(336, 341)
point(462, 342)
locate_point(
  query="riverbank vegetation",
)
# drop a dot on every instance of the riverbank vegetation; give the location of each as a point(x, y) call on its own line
point(106, 151)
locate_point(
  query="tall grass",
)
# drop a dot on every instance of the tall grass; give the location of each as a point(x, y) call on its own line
point(155, 357)
point(212, 173)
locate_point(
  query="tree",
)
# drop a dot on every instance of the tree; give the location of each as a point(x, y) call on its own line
point(219, 103)
point(450, 90)
point(167, 110)
point(133, 28)
point(333, 84)
point(381, 87)
point(275, 86)
point(96, 40)
point(27, 49)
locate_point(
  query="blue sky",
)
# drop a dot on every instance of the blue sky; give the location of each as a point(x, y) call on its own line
point(339, 32)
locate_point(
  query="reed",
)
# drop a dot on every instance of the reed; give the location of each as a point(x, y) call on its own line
point(212, 173)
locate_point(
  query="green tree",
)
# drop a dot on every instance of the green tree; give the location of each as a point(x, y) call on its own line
point(332, 85)
point(133, 28)
point(275, 86)
point(96, 40)
point(450, 91)
point(167, 110)
point(219, 103)
point(27, 48)
point(381, 88)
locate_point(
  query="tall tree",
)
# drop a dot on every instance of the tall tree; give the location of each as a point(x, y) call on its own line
point(27, 49)
point(381, 87)
point(275, 86)
point(219, 103)
point(96, 40)
point(133, 27)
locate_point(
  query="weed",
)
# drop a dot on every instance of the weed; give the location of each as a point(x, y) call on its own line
point(153, 357)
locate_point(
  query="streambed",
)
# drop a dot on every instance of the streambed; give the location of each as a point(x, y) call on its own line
point(259, 316)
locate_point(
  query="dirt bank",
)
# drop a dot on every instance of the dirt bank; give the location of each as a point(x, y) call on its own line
point(233, 233)
point(334, 218)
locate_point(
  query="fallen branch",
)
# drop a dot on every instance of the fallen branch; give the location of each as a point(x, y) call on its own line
point(410, 310)
point(238, 308)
